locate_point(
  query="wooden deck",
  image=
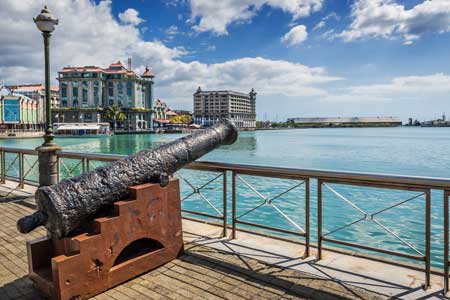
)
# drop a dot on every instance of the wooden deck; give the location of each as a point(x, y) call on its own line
point(201, 273)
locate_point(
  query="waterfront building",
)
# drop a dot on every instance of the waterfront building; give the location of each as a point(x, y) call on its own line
point(37, 92)
point(346, 122)
point(442, 122)
point(19, 112)
point(160, 110)
point(82, 129)
point(86, 92)
point(149, 94)
point(170, 114)
point(211, 106)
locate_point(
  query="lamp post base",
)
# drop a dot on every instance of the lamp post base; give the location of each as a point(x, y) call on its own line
point(48, 164)
point(49, 140)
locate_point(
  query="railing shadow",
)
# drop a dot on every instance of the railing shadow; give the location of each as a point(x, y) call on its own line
point(353, 284)
point(300, 284)
point(9, 194)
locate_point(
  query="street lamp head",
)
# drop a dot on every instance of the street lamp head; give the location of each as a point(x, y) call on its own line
point(45, 21)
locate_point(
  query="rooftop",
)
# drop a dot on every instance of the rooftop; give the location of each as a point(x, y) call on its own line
point(5, 92)
point(31, 87)
point(200, 91)
point(114, 68)
point(171, 113)
point(148, 73)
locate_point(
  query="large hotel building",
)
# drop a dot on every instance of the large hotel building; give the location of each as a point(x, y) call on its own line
point(211, 106)
point(85, 93)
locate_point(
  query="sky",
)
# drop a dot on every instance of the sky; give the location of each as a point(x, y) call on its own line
point(304, 58)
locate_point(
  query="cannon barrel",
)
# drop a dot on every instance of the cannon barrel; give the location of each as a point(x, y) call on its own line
point(63, 207)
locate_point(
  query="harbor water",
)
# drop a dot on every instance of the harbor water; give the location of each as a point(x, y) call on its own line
point(401, 150)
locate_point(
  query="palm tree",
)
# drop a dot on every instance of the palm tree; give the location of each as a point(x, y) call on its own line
point(114, 113)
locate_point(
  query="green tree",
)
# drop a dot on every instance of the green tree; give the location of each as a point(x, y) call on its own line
point(113, 113)
point(185, 119)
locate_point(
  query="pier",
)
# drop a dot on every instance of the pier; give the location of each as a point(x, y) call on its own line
point(228, 257)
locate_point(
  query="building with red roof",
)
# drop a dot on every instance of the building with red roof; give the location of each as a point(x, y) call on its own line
point(37, 92)
point(87, 92)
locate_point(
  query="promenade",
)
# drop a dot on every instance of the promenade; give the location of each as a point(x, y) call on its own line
point(202, 273)
point(250, 267)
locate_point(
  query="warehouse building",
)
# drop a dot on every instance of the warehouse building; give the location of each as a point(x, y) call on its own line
point(346, 122)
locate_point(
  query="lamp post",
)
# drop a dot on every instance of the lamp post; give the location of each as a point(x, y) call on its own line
point(48, 161)
point(46, 23)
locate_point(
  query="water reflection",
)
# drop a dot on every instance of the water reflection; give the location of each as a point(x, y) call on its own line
point(245, 142)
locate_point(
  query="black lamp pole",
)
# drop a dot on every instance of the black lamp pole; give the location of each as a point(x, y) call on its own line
point(48, 137)
point(48, 158)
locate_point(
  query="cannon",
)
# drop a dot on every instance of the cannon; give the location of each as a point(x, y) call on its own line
point(64, 207)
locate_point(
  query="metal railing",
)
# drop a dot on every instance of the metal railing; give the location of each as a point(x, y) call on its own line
point(74, 163)
point(196, 189)
point(16, 166)
point(366, 216)
point(19, 165)
point(446, 241)
point(269, 201)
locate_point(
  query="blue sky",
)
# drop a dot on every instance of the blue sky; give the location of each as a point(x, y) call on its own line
point(260, 36)
point(304, 57)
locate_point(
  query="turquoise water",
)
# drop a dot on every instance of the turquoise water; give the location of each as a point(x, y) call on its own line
point(405, 151)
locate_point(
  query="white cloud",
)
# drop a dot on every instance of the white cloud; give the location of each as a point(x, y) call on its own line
point(328, 35)
point(324, 20)
point(427, 87)
point(319, 25)
point(387, 19)
point(266, 76)
point(216, 16)
point(172, 30)
point(100, 39)
point(130, 16)
point(295, 36)
point(332, 15)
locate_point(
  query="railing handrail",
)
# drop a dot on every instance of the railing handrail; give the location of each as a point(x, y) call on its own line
point(91, 156)
point(390, 179)
point(423, 181)
point(19, 150)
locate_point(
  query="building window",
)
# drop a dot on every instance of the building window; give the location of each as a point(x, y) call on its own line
point(64, 94)
point(129, 93)
point(96, 93)
point(138, 96)
point(119, 93)
point(75, 93)
point(84, 86)
point(110, 93)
